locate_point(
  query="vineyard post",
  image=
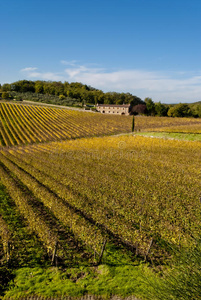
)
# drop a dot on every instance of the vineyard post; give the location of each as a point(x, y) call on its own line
point(95, 249)
point(141, 213)
point(54, 253)
point(102, 251)
point(136, 249)
point(149, 247)
point(8, 252)
point(140, 225)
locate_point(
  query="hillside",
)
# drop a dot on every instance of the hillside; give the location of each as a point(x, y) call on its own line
point(73, 94)
point(27, 124)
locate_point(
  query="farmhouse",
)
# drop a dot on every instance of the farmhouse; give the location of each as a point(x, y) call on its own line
point(124, 109)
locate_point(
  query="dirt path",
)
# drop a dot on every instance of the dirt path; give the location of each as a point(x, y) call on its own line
point(54, 105)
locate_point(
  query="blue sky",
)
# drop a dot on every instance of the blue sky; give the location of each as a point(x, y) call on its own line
point(150, 48)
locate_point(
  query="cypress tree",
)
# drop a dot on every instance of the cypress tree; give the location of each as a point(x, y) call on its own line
point(133, 124)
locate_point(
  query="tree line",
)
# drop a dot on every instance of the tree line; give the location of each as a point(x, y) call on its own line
point(74, 90)
point(176, 110)
point(78, 94)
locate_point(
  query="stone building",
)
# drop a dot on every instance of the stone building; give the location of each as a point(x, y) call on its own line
point(124, 109)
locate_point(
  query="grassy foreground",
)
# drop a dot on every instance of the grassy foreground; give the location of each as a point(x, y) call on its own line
point(104, 280)
point(180, 281)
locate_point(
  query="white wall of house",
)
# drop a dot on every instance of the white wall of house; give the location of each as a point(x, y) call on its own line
point(113, 109)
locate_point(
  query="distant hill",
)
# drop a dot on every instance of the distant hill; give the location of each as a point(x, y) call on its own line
point(77, 91)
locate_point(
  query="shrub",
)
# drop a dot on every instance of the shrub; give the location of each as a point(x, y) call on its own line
point(61, 97)
point(5, 95)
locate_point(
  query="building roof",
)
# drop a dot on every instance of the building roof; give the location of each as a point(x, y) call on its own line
point(113, 105)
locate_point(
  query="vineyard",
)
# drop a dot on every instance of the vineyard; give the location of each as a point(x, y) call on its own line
point(24, 124)
point(70, 201)
point(134, 190)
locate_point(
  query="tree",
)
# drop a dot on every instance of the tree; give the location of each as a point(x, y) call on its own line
point(89, 97)
point(134, 100)
point(23, 86)
point(139, 109)
point(150, 106)
point(49, 88)
point(196, 110)
point(133, 124)
point(59, 87)
point(39, 87)
point(6, 87)
point(108, 98)
point(180, 110)
point(161, 109)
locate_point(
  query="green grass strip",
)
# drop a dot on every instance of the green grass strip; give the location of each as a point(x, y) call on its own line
point(172, 135)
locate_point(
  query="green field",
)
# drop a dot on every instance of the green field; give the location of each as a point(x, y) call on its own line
point(173, 135)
